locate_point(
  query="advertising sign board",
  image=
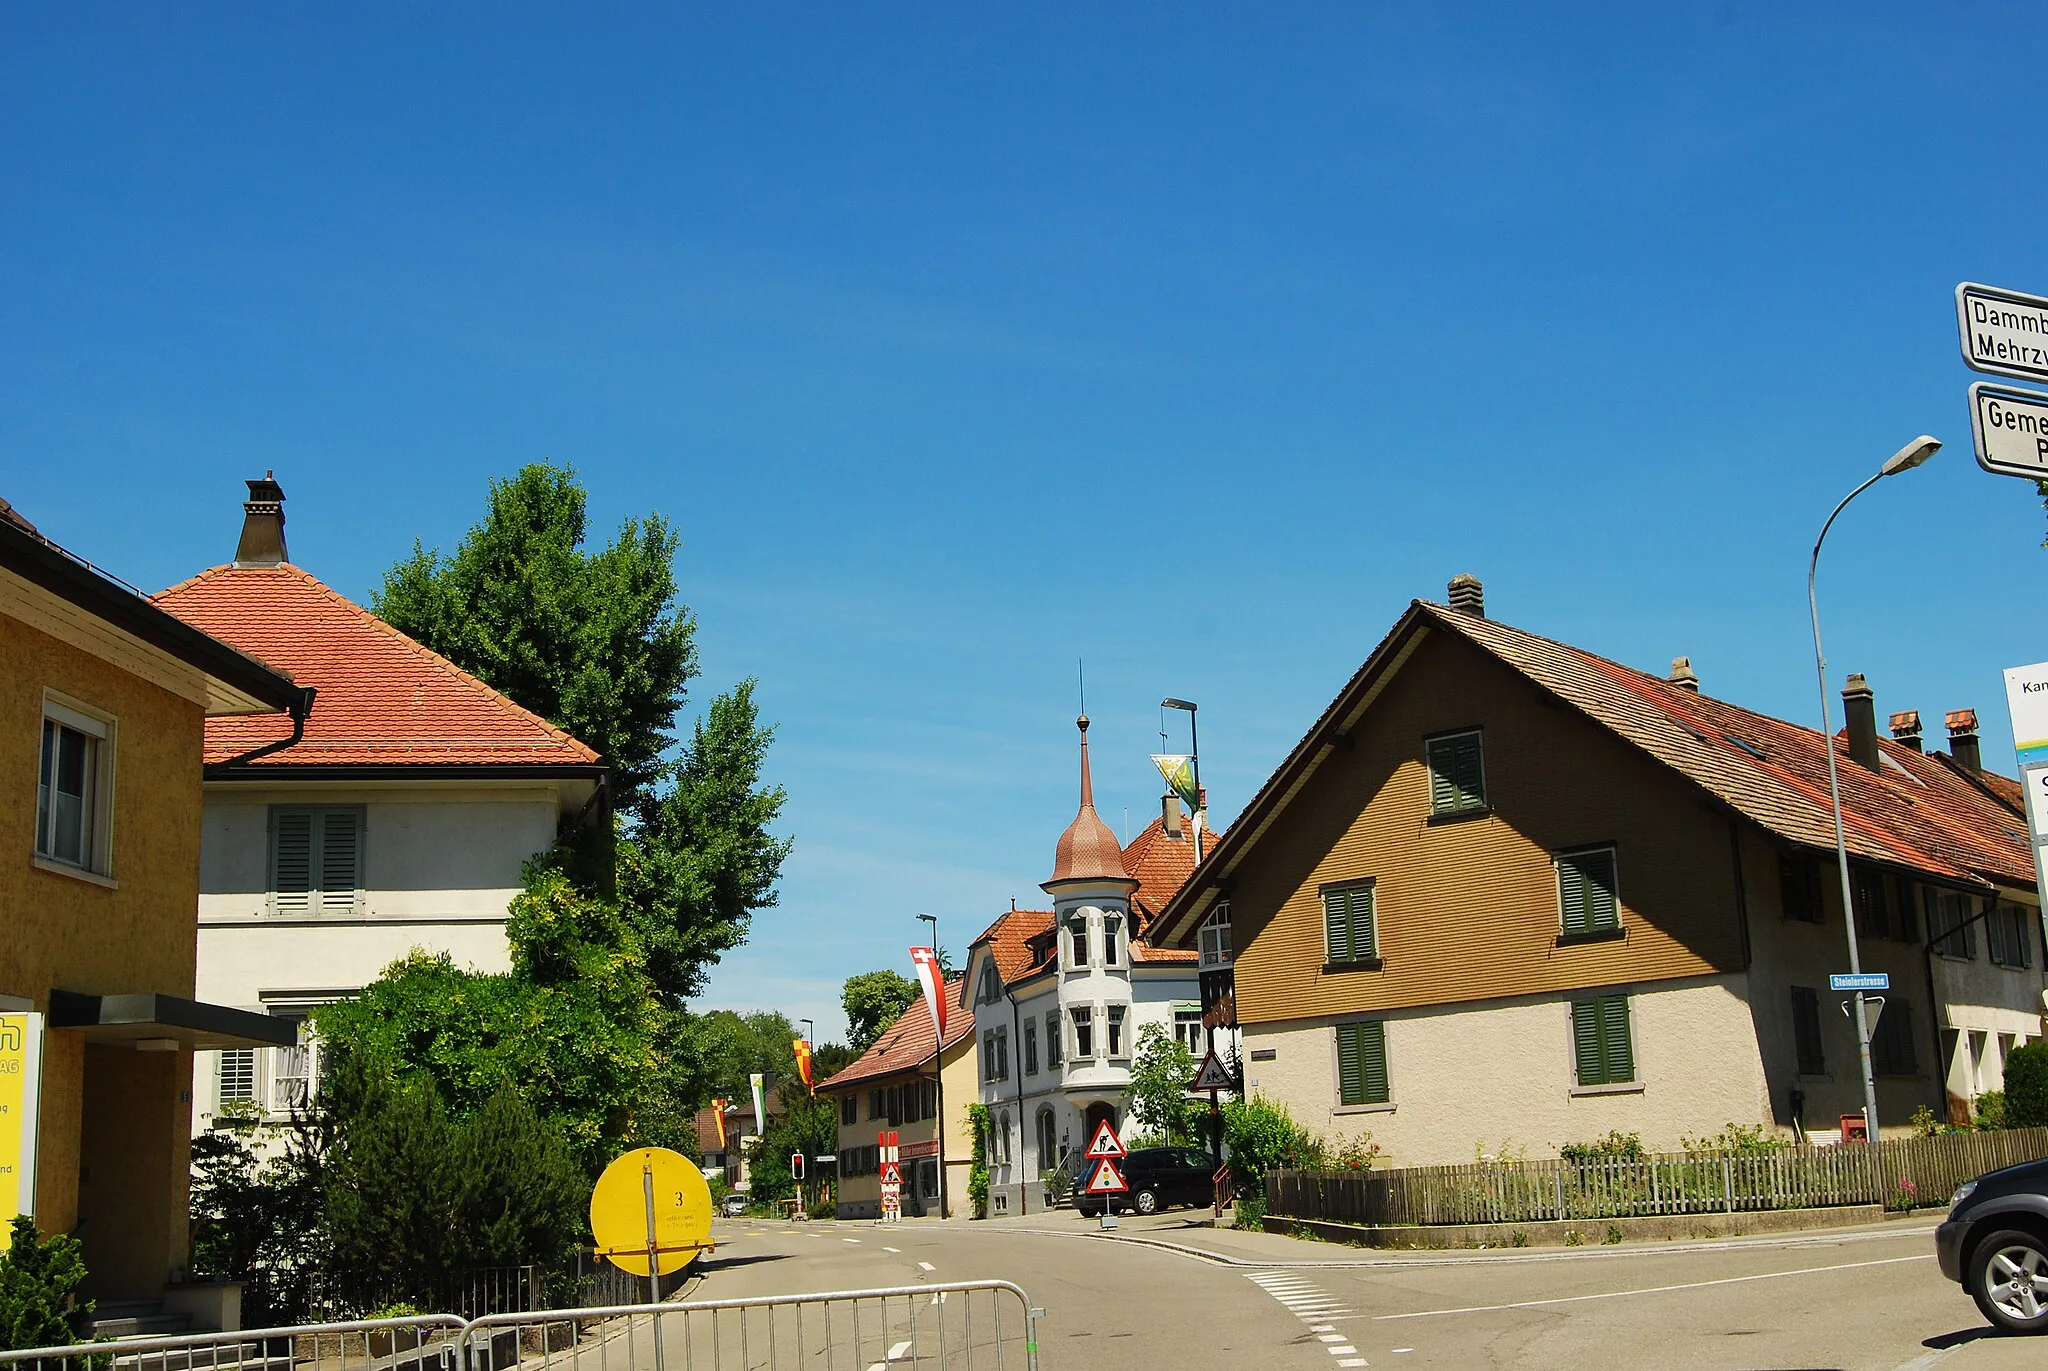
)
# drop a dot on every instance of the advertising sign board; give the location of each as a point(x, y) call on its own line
point(21, 1065)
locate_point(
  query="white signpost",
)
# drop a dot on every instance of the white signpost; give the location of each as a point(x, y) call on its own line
point(2011, 428)
point(2026, 698)
point(2004, 332)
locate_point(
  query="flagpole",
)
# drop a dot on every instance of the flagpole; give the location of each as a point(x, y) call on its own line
point(1194, 757)
point(938, 1066)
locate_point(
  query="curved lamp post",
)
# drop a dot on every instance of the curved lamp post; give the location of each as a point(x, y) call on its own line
point(1905, 459)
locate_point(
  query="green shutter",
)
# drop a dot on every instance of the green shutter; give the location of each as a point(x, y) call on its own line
point(1616, 1049)
point(1350, 1070)
point(1471, 782)
point(1571, 895)
point(1365, 942)
point(1372, 1042)
point(1586, 892)
point(1443, 791)
point(1586, 1042)
point(340, 859)
point(291, 861)
point(1336, 926)
point(1457, 774)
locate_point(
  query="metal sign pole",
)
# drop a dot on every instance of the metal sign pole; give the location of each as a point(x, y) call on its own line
point(653, 1269)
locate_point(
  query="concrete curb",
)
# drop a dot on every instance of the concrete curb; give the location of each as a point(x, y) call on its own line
point(1553, 1233)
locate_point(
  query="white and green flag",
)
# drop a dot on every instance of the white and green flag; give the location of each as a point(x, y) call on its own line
point(1180, 779)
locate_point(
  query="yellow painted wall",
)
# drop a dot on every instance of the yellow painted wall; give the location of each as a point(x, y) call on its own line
point(138, 935)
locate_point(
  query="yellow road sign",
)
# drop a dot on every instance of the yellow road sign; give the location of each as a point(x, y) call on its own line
point(21, 1059)
point(651, 1198)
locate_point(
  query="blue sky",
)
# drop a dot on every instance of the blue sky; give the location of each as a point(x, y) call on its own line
point(1190, 340)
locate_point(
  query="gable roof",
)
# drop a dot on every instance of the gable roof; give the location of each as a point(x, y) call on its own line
point(1010, 941)
point(906, 1045)
point(383, 700)
point(1918, 814)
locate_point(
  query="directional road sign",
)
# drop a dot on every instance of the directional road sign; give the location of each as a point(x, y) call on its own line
point(1107, 1180)
point(1105, 1144)
point(2004, 332)
point(1212, 1076)
point(2011, 428)
point(1868, 980)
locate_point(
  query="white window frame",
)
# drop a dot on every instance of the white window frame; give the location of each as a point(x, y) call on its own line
point(1056, 1041)
point(1116, 1036)
point(1076, 944)
point(1029, 1047)
point(102, 728)
point(1078, 1015)
point(1196, 1041)
point(306, 1052)
point(1213, 938)
point(320, 902)
point(1116, 958)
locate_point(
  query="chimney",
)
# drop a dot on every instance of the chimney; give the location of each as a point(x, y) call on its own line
point(1683, 676)
point(1467, 596)
point(1962, 738)
point(262, 542)
point(1169, 814)
point(1859, 711)
point(1906, 729)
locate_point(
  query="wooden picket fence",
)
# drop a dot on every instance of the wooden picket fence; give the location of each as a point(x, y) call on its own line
point(1899, 1173)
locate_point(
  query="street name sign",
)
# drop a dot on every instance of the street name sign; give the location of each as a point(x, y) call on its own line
point(2011, 430)
point(2004, 332)
point(1867, 980)
point(1105, 1144)
point(1107, 1180)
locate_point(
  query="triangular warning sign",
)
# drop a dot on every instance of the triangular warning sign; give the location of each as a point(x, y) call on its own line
point(1107, 1180)
point(1105, 1144)
point(1212, 1076)
point(892, 1174)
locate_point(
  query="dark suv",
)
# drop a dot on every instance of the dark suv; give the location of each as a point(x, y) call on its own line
point(1996, 1243)
point(1158, 1177)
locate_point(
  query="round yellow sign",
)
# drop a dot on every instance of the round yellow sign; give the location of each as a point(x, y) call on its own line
point(651, 1190)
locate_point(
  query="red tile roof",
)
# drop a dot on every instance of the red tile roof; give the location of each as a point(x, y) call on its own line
point(906, 1045)
point(1088, 849)
point(382, 699)
point(1011, 943)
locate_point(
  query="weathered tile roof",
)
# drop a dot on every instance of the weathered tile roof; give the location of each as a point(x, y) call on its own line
point(906, 1045)
point(382, 698)
point(1020, 941)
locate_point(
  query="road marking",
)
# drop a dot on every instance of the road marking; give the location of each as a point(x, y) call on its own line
point(895, 1354)
point(926, 1266)
point(1654, 1289)
point(1311, 1304)
point(1352, 1361)
point(893, 1249)
point(852, 1240)
point(1404, 1349)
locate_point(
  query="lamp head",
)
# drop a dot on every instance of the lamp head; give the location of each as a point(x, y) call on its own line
point(1171, 703)
point(1911, 455)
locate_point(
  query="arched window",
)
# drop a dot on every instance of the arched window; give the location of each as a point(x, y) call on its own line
point(1048, 1140)
point(991, 984)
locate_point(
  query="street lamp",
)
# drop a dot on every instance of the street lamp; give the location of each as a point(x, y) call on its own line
point(1905, 459)
point(1195, 753)
point(938, 1073)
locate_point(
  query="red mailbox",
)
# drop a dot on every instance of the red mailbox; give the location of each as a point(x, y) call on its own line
point(1855, 1128)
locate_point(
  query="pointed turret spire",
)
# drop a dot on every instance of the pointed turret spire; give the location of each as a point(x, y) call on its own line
point(1088, 850)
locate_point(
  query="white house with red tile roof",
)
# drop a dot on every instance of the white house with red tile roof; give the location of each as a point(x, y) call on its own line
point(1061, 995)
point(398, 815)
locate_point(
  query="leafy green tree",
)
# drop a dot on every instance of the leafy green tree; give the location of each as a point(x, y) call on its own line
point(39, 1280)
point(873, 1000)
point(2026, 1086)
point(730, 1046)
point(810, 1125)
point(1158, 1092)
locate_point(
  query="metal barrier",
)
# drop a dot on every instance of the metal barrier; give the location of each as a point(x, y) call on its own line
point(989, 1325)
point(974, 1324)
point(423, 1343)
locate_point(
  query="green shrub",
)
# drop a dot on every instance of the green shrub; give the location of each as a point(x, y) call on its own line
point(1262, 1136)
point(1990, 1115)
point(1615, 1147)
point(1251, 1210)
point(977, 1170)
point(1614, 1234)
point(1354, 1154)
point(1735, 1140)
point(2026, 1086)
point(39, 1280)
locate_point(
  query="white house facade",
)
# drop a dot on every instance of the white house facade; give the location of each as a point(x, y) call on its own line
point(397, 818)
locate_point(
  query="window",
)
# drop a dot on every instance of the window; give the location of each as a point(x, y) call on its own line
point(316, 859)
point(1457, 774)
point(991, 985)
point(1873, 909)
point(1115, 1036)
point(1053, 1040)
point(1084, 1032)
point(1948, 913)
point(1002, 1054)
point(292, 1068)
point(1586, 892)
point(849, 1109)
point(1031, 1047)
point(1601, 1045)
point(876, 1108)
point(1350, 933)
point(1112, 946)
point(237, 1074)
point(995, 1055)
point(74, 789)
point(1799, 889)
point(2005, 932)
point(1214, 937)
point(1806, 1031)
point(929, 1094)
point(1077, 944)
point(1048, 1140)
point(1908, 921)
point(1002, 1148)
point(1362, 1062)
point(1891, 1042)
point(1188, 1030)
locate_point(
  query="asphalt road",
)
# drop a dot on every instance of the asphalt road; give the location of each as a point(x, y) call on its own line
point(1161, 1294)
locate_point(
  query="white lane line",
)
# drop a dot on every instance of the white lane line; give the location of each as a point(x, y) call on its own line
point(896, 1352)
point(926, 1266)
point(1352, 1361)
point(1329, 1337)
point(1654, 1289)
point(854, 1240)
point(1320, 1328)
point(1404, 1349)
point(1347, 1350)
point(893, 1249)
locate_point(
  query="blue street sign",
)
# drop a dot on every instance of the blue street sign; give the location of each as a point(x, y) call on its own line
point(1869, 980)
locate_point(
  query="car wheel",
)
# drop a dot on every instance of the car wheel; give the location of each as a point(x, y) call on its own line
point(1147, 1202)
point(2008, 1278)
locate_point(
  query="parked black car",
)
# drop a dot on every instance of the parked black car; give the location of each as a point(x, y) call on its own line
point(1158, 1177)
point(1995, 1243)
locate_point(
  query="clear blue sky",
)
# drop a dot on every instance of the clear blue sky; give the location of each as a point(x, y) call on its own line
point(961, 343)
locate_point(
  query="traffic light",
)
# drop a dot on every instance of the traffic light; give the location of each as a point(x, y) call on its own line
point(796, 1166)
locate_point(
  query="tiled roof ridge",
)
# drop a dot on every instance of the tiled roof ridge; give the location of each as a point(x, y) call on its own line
point(402, 639)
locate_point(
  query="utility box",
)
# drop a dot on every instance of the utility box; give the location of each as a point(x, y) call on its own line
point(1855, 1128)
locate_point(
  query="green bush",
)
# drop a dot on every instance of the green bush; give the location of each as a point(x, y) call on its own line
point(39, 1280)
point(1615, 1147)
point(1262, 1136)
point(1735, 1140)
point(977, 1170)
point(2026, 1086)
point(1990, 1114)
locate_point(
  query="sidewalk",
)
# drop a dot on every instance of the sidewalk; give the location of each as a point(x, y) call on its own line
point(1189, 1232)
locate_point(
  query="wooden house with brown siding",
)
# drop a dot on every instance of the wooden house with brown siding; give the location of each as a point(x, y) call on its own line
point(1506, 890)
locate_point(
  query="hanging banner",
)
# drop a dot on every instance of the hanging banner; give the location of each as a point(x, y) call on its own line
point(21, 1067)
point(934, 982)
point(756, 1080)
point(718, 1115)
point(803, 1064)
point(1179, 773)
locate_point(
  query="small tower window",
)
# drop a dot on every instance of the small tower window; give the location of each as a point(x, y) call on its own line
point(1112, 941)
point(1077, 944)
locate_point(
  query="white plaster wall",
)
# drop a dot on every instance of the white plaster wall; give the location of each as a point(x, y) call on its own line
point(1466, 1078)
